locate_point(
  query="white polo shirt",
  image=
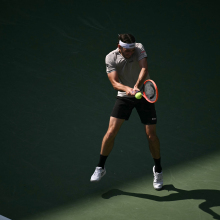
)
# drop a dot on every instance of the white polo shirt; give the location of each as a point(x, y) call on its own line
point(128, 70)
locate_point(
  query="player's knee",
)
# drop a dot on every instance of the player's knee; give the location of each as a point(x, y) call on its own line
point(152, 136)
point(110, 134)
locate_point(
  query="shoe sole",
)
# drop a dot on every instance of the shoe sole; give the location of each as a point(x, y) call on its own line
point(158, 189)
point(99, 179)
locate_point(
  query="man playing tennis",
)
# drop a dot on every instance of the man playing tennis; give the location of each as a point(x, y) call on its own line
point(127, 70)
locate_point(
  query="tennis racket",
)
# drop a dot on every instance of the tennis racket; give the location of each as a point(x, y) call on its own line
point(149, 91)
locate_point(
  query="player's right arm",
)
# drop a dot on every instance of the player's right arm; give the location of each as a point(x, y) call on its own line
point(113, 77)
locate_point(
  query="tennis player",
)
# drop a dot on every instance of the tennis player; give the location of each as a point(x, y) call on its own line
point(127, 70)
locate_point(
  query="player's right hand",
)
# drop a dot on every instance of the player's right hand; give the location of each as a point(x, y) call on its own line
point(130, 92)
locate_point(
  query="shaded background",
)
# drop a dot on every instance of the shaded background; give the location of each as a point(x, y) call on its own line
point(56, 98)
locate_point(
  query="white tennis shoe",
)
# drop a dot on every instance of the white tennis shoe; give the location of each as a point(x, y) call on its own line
point(98, 174)
point(158, 180)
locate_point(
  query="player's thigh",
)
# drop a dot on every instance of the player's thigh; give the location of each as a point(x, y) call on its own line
point(123, 108)
point(146, 112)
point(115, 125)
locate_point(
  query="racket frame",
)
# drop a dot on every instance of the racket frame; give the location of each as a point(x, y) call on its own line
point(156, 90)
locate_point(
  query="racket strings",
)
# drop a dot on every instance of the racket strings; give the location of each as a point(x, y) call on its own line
point(150, 90)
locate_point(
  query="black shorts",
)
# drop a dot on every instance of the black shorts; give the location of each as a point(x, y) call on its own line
point(124, 106)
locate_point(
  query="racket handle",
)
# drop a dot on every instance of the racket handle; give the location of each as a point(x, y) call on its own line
point(138, 91)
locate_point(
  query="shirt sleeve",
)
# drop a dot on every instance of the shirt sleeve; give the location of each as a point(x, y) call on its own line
point(110, 64)
point(141, 53)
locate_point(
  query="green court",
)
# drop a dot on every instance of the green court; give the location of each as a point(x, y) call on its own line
point(56, 100)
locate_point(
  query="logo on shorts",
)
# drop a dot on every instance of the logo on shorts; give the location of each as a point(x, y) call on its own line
point(154, 118)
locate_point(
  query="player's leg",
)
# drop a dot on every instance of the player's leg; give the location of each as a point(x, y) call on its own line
point(147, 114)
point(109, 138)
point(154, 146)
point(120, 113)
point(106, 148)
point(148, 117)
point(154, 143)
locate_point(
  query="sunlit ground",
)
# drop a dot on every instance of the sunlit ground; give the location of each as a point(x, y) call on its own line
point(199, 181)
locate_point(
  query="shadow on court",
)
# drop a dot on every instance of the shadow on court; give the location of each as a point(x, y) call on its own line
point(52, 124)
point(211, 197)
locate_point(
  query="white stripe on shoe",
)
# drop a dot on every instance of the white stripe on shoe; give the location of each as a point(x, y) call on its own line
point(98, 174)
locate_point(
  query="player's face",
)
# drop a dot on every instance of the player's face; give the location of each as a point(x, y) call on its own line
point(126, 53)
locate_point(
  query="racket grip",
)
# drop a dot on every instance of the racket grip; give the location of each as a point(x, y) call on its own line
point(138, 91)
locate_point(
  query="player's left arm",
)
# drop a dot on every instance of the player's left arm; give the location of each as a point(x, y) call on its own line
point(143, 73)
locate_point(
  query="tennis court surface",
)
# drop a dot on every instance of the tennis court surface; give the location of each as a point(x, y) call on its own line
point(56, 101)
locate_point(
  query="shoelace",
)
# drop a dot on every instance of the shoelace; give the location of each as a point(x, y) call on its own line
point(97, 172)
point(157, 177)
